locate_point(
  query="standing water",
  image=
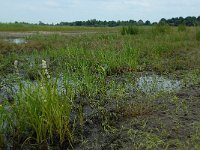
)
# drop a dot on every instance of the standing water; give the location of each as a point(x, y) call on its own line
point(154, 84)
point(16, 40)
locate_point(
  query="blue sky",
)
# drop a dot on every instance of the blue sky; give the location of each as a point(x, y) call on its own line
point(55, 11)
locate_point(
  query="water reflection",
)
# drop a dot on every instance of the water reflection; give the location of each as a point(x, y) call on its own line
point(154, 84)
point(17, 40)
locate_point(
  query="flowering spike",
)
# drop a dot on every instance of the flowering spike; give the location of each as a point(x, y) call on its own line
point(16, 64)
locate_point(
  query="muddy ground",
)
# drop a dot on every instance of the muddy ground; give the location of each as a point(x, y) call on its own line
point(169, 121)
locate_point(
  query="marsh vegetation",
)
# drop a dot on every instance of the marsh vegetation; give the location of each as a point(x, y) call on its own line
point(132, 88)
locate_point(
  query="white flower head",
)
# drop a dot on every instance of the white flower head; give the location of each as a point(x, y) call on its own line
point(45, 71)
point(16, 63)
point(41, 87)
point(44, 64)
point(43, 61)
point(48, 76)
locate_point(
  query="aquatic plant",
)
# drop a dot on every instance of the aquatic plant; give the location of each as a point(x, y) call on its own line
point(16, 64)
point(45, 71)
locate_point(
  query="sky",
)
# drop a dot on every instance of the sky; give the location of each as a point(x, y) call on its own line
point(55, 11)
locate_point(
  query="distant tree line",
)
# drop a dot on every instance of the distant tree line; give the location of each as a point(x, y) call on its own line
point(98, 23)
point(188, 21)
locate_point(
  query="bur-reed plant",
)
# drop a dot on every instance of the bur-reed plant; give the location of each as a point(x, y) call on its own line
point(40, 112)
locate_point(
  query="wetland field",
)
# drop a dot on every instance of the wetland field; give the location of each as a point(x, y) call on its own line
point(129, 88)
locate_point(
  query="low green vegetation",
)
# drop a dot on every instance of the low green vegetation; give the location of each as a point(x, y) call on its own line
point(198, 35)
point(132, 30)
point(21, 27)
point(162, 28)
point(81, 91)
point(182, 28)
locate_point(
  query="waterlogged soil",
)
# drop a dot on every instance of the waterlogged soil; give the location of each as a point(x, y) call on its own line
point(16, 40)
point(140, 110)
point(170, 121)
point(170, 117)
point(149, 84)
point(132, 117)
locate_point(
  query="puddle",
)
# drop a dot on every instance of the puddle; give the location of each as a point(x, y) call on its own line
point(154, 84)
point(151, 84)
point(17, 40)
point(8, 91)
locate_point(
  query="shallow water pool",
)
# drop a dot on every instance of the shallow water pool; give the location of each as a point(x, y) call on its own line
point(152, 84)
